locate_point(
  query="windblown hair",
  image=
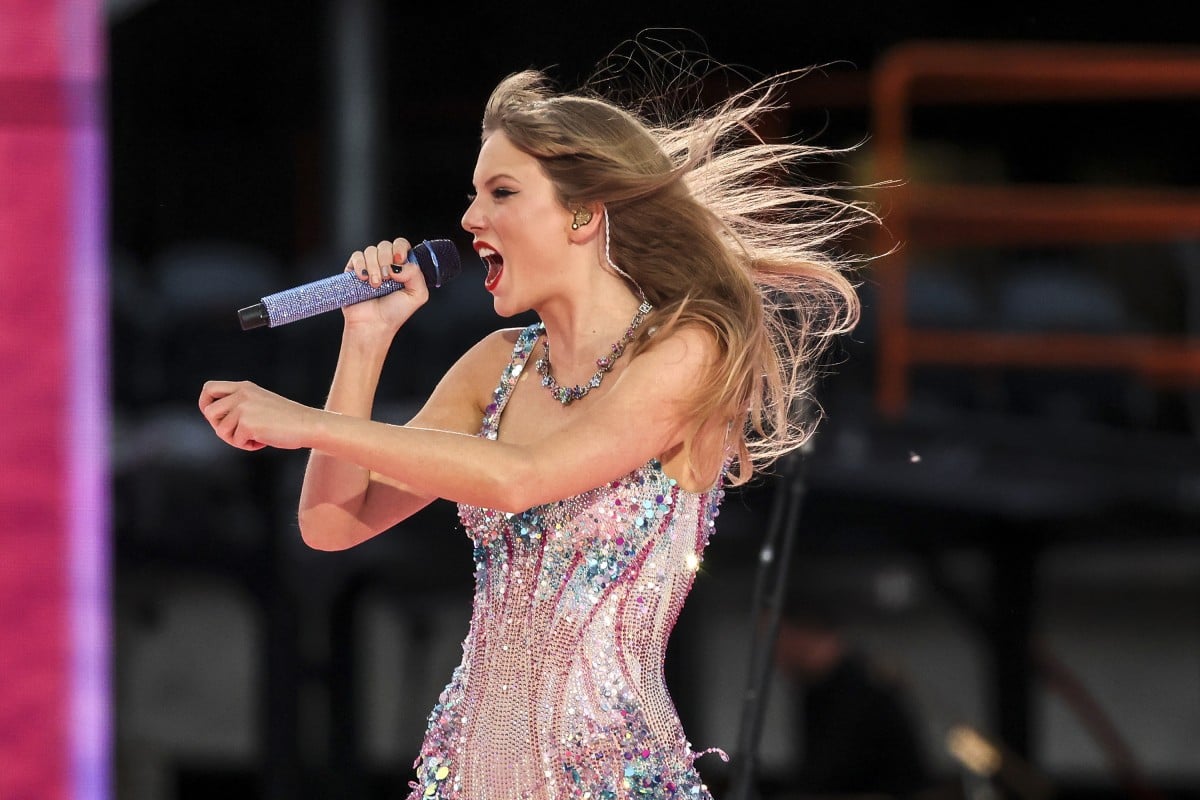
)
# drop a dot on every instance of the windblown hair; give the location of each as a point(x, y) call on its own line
point(707, 219)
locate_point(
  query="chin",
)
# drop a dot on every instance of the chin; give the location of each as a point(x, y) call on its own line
point(505, 309)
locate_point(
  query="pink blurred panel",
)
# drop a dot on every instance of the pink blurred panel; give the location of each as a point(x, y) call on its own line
point(34, 592)
point(30, 41)
point(35, 230)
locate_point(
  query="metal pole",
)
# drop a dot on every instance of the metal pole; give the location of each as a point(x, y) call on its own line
point(769, 591)
point(355, 121)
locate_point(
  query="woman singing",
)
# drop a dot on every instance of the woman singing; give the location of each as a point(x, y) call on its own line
point(684, 286)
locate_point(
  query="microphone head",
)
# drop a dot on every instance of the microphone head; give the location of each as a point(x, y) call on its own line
point(439, 261)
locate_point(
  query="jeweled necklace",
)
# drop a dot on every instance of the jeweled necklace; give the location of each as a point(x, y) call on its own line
point(603, 364)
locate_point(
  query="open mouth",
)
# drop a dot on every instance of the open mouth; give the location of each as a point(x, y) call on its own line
point(495, 267)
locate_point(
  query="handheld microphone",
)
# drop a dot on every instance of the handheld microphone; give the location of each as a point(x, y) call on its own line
point(438, 260)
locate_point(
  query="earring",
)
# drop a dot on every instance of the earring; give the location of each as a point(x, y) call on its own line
point(582, 217)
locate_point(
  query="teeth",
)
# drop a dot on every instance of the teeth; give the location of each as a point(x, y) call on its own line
point(486, 252)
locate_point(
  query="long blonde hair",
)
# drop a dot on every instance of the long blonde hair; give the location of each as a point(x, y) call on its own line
point(705, 219)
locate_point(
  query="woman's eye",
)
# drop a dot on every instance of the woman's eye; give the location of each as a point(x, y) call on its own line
point(500, 194)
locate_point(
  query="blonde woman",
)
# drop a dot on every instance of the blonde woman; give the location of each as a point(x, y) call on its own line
point(683, 286)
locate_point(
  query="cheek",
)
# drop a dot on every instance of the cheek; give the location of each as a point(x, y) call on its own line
point(547, 227)
point(516, 228)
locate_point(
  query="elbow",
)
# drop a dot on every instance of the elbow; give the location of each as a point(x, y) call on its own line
point(322, 543)
point(516, 489)
point(319, 532)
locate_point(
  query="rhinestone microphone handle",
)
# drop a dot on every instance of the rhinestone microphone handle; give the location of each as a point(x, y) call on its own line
point(320, 296)
point(438, 260)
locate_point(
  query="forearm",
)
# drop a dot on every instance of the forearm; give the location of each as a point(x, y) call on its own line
point(335, 491)
point(435, 456)
point(435, 463)
point(365, 476)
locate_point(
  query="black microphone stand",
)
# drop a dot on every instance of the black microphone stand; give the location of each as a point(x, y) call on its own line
point(770, 586)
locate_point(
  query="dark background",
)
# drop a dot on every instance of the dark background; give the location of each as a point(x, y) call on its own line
point(1006, 507)
point(238, 92)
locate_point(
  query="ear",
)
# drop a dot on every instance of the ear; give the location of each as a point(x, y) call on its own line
point(585, 223)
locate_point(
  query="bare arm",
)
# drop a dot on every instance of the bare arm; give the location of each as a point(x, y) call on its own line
point(640, 418)
point(343, 502)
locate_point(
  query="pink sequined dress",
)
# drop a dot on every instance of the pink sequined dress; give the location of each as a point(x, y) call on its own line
point(560, 693)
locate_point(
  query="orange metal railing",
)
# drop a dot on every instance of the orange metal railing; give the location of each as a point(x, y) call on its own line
point(930, 216)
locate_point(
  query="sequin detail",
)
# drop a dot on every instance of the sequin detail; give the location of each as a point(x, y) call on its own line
point(560, 693)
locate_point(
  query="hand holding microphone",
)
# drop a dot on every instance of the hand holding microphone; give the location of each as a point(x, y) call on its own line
point(438, 260)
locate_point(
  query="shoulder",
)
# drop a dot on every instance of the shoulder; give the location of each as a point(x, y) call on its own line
point(501, 345)
point(672, 365)
point(465, 390)
point(493, 351)
point(687, 347)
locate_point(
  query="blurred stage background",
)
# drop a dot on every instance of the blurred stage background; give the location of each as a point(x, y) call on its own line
point(1002, 505)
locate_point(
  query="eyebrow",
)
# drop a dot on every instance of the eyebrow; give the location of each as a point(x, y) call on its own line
point(499, 177)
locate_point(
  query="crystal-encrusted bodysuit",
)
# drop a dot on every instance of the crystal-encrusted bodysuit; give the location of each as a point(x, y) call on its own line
point(560, 693)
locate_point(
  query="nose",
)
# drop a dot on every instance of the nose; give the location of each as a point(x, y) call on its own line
point(472, 219)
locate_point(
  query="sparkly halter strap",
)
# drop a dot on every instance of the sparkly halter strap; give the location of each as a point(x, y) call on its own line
point(508, 379)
